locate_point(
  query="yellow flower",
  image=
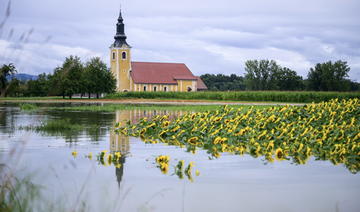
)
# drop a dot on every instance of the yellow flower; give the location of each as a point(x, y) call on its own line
point(164, 167)
point(151, 125)
point(270, 146)
point(175, 129)
point(197, 172)
point(165, 123)
point(279, 154)
point(300, 147)
point(268, 157)
point(143, 131)
point(109, 158)
point(117, 154)
point(162, 159)
point(74, 153)
point(193, 140)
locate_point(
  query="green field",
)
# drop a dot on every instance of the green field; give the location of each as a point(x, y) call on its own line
point(115, 107)
point(241, 96)
point(263, 96)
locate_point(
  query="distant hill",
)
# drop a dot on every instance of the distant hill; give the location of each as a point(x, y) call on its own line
point(23, 77)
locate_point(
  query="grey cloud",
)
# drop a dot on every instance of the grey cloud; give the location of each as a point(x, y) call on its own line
point(209, 36)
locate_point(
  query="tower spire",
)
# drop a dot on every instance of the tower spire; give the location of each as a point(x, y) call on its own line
point(120, 15)
point(120, 37)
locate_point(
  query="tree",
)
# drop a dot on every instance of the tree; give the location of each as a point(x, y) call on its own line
point(40, 86)
point(5, 72)
point(288, 80)
point(57, 81)
point(14, 88)
point(67, 78)
point(267, 75)
point(329, 76)
point(221, 82)
point(97, 77)
point(109, 85)
point(261, 75)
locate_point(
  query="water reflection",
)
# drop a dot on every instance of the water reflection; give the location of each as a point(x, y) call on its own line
point(121, 143)
point(231, 177)
point(7, 123)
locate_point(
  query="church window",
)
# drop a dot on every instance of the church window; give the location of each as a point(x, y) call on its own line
point(165, 89)
point(144, 88)
point(113, 55)
point(124, 55)
point(189, 89)
point(154, 88)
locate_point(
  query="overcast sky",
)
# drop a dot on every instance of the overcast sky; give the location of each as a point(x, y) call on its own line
point(209, 36)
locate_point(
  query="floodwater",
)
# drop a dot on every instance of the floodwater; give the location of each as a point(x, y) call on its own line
point(229, 183)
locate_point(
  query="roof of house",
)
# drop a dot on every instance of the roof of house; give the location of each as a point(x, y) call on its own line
point(160, 73)
point(200, 84)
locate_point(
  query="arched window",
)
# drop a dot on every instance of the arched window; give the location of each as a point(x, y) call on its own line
point(165, 89)
point(124, 55)
point(113, 55)
point(154, 88)
point(144, 88)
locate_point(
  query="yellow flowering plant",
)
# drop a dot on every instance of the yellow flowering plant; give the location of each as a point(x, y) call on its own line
point(326, 131)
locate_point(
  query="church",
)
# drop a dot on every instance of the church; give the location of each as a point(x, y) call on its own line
point(148, 76)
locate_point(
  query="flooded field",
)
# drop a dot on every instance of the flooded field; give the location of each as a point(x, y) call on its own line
point(58, 159)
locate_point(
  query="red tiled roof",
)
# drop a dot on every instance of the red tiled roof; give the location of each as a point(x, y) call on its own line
point(200, 84)
point(160, 73)
point(184, 77)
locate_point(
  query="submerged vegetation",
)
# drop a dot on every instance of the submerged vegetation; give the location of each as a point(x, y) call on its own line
point(265, 96)
point(327, 130)
point(60, 125)
point(56, 127)
point(28, 107)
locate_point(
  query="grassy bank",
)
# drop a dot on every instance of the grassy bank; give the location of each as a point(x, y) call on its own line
point(264, 96)
point(115, 107)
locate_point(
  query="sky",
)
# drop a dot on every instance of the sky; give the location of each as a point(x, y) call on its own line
point(208, 36)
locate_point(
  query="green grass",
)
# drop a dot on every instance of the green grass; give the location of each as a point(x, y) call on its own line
point(59, 125)
point(29, 107)
point(16, 194)
point(255, 96)
point(115, 107)
point(20, 194)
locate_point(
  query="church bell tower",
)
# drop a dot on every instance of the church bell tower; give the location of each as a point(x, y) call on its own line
point(120, 58)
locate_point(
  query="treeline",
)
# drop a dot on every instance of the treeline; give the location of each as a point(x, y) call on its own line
point(73, 77)
point(268, 75)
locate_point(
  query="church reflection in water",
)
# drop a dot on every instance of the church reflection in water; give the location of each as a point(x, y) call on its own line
point(121, 143)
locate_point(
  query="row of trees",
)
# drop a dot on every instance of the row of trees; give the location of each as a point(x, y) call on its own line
point(221, 82)
point(93, 77)
point(268, 75)
point(73, 77)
